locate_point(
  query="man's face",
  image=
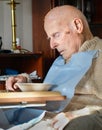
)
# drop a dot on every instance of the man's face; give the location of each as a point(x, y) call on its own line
point(62, 37)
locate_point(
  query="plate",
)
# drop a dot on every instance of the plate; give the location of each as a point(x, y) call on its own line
point(33, 86)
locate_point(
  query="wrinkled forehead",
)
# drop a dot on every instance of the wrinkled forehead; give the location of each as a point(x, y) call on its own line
point(62, 13)
point(53, 26)
point(58, 11)
point(54, 22)
point(54, 15)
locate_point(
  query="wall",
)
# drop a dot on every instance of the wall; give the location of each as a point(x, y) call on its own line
point(23, 23)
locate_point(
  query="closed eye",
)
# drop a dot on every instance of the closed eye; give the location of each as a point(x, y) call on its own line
point(56, 35)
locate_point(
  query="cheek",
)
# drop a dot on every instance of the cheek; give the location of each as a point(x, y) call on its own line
point(70, 45)
point(64, 40)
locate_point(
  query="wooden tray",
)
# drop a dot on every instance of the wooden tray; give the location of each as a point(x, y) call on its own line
point(35, 96)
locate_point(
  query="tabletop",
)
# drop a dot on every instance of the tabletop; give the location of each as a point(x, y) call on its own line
point(34, 98)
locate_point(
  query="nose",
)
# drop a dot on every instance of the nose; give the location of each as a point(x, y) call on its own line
point(53, 44)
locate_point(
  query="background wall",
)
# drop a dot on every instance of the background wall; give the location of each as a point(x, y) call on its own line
point(23, 24)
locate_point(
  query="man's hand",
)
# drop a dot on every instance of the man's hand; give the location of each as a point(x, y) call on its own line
point(10, 82)
point(60, 121)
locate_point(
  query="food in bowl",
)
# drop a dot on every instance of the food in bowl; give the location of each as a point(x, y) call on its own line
point(33, 86)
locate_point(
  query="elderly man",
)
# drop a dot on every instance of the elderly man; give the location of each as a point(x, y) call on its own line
point(77, 71)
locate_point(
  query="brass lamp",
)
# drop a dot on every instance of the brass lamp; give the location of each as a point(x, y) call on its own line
point(13, 22)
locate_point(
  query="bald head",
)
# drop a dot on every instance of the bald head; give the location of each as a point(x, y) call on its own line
point(64, 13)
point(67, 29)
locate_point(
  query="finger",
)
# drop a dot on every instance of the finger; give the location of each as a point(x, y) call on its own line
point(9, 83)
point(15, 86)
point(60, 115)
point(61, 124)
point(53, 121)
point(61, 121)
point(56, 118)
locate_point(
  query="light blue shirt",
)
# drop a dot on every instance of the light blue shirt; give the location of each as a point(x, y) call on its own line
point(65, 77)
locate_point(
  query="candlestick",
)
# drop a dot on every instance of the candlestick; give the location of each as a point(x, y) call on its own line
point(13, 22)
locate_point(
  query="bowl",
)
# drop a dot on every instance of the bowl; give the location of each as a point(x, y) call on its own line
point(33, 86)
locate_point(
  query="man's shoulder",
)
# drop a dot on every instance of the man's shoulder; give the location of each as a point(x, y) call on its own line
point(99, 43)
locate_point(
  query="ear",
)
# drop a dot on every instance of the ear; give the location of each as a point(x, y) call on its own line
point(78, 25)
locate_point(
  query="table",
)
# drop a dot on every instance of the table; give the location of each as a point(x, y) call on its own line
point(23, 99)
